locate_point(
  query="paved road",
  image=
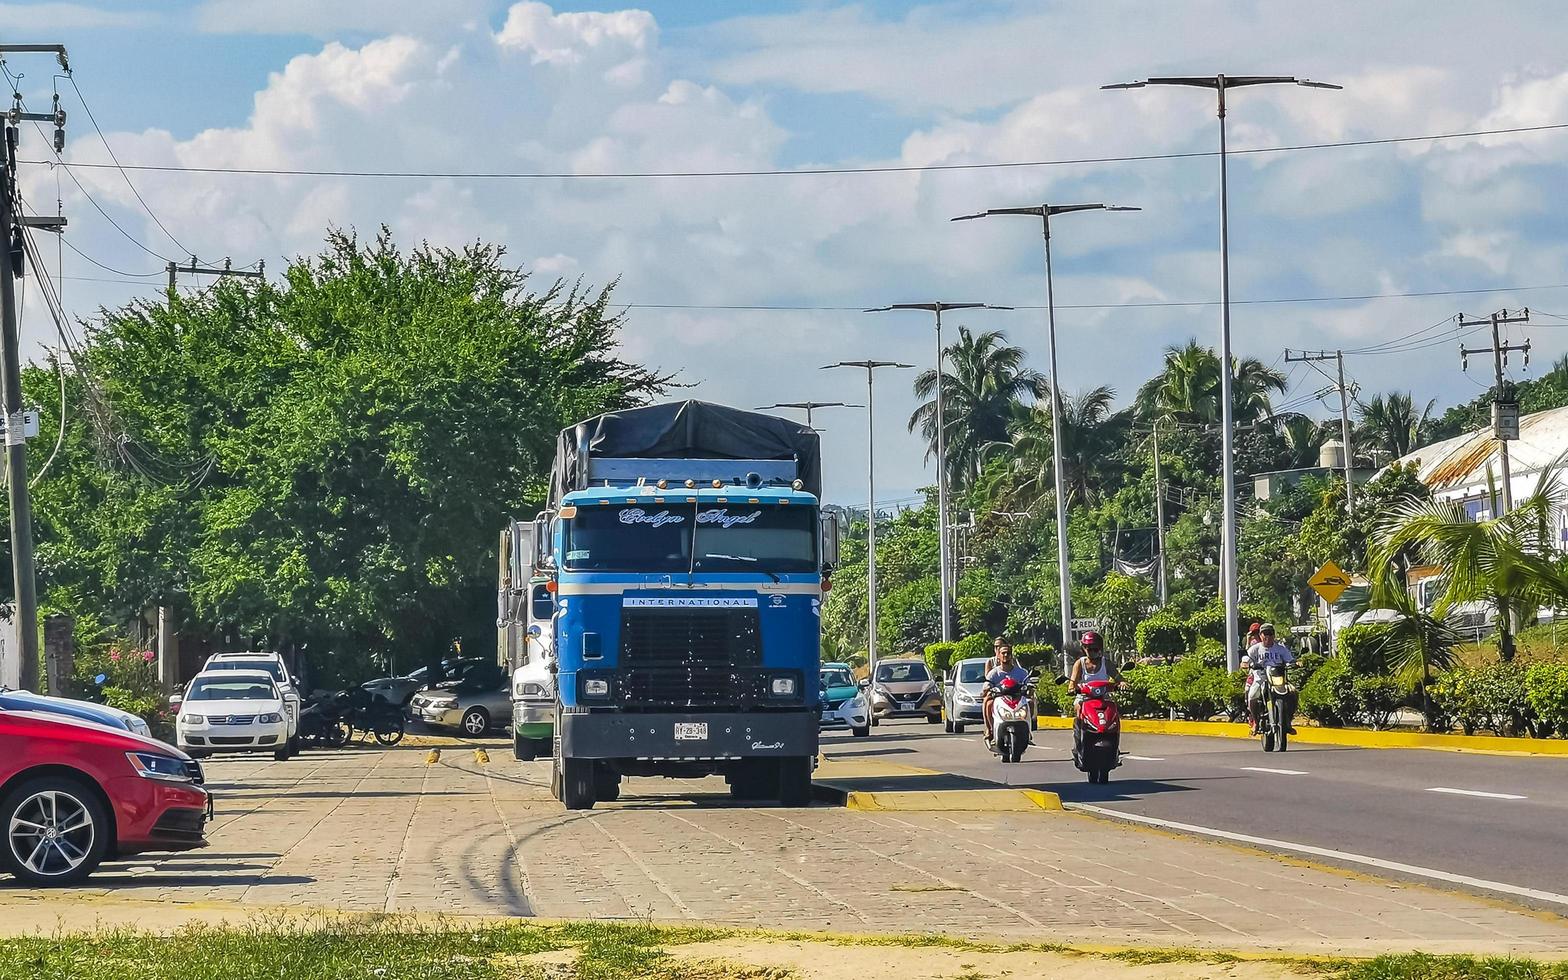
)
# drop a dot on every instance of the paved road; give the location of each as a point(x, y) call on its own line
point(1412, 806)
point(388, 831)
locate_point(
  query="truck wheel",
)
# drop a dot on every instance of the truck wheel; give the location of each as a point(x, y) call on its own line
point(947, 726)
point(795, 781)
point(753, 779)
point(606, 783)
point(577, 783)
point(860, 732)
point(522, 748)
point(933, 719)
point(958, 728)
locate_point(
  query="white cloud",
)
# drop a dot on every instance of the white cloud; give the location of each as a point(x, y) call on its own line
point(537, 90)
point(52, 18)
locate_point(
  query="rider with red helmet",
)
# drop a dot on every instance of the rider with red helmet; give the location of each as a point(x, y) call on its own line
point(1093, 665)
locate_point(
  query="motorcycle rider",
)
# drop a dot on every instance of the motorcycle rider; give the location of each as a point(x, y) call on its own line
point(1093, 665)
point(1268, 652)
point(1003, 667)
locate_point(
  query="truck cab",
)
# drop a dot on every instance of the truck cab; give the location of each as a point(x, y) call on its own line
point(687, 604)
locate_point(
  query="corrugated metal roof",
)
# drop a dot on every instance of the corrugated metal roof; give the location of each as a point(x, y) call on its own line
point(1462, 462)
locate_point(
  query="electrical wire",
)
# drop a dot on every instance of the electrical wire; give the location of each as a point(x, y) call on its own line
point(107, 268)
point(810, 171)
point(70, 77)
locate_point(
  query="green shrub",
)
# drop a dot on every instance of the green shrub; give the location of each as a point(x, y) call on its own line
point(1212, 653)
point(1377, 700)
point(1492, 698)
point(1210, 620)
point(1328, 697)
point(151, 708)
point(1546, 690)
point(1361, 646)
point(940, 657)
point(971, 646)
point(1147, 694)
point(1038, 656)
point(1053, 699)
point(1198, 691)
point(1163, 635)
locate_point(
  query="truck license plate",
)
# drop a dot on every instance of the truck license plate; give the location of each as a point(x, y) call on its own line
point(692, 731)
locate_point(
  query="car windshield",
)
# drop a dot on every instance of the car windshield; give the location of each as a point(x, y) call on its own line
point(836, 677)
point(270, 666)
point(901, 673)
point(729, 538)
point(224, 689)
point(971, 673)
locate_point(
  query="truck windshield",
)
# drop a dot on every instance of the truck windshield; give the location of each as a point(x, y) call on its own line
point(724, 538)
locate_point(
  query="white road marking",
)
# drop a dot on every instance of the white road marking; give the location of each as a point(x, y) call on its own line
point(1142, 758)
point(1276, 772)
point(1474, 792)
point(1326, 852)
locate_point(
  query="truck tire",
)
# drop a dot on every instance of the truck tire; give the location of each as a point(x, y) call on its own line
point(577, 783)
point(606, 783)
point(523, 748)
point(753, 779)
point(795, 781)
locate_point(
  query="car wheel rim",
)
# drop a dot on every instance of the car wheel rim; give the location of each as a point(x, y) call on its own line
point(51, 833)
point(476, 725)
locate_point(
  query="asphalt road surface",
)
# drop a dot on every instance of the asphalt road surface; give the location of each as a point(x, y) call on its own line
point(1491, 818)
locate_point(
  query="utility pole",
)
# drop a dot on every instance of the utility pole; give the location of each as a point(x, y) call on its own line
point(1505, 408)
point(260, 272)
point(13, 229)
point(1338, 357)
point(1159, 513)
point(808, 407)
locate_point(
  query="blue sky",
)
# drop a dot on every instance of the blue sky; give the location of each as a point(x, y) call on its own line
point(593, 87)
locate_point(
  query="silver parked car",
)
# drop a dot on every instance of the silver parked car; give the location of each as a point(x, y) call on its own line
point(962, 690)
point(480, 702)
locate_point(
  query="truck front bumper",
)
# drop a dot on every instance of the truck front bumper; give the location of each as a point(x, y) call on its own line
point(533, 719)
point(694, 736)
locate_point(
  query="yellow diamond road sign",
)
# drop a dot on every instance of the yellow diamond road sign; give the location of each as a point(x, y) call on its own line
point(1330, 582)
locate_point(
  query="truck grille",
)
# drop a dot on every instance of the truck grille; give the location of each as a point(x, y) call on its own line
point(663, 688)
point(697, 639)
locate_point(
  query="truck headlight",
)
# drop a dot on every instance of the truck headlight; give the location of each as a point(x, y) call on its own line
point(596, 687)
point(530, 690)
point(782, 687)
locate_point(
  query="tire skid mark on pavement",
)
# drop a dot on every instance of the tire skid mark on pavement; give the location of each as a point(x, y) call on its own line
point(598, 824)
point(935, 877)
point(803, 883)
point(515, 851)
point(1099, 887)
point(1393, 887)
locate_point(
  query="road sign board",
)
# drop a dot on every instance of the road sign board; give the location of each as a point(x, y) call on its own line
point(1330, 582)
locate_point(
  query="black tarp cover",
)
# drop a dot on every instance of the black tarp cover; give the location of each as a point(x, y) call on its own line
point(687, 430)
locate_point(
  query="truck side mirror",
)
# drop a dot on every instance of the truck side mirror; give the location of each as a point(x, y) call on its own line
point(828, 524)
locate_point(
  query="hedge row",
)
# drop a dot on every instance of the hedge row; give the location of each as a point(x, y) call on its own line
point(1169, 636)
point(940, 657)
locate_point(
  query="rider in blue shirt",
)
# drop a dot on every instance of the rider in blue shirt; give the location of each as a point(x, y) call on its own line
point(1004, 666)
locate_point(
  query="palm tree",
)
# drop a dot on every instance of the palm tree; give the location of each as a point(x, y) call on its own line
point(982, 392)
point(1505, 561)
point(1390, 423)
point(1091, 435)
point(1188, 388)
point(1304, 438)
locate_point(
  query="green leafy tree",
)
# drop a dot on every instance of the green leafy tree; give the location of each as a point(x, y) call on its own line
point(1092, 435)
point(1120, 602)
point(982, 391)
point(1392, 424)
point(321, 463)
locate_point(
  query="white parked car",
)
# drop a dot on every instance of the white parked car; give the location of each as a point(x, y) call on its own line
point(233, 710)
point(274, 666)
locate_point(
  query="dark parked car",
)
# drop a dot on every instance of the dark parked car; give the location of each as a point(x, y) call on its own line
point(397, 690)
point(101, 714)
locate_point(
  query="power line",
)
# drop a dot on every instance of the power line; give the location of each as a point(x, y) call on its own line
point(802, 172)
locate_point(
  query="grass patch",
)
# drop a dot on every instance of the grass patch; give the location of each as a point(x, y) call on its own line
point(1422, 966)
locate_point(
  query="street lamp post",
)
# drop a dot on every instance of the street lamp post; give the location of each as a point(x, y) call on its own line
point(1045, 212)
point(870, 368)
point(1220, 83)
point(941, 450)
point(808, 408)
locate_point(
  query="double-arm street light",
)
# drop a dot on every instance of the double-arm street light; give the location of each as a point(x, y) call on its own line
point(1220, 84)
point(941, 447)
point(870, 367)
point(1045, 212)
point(808, 408)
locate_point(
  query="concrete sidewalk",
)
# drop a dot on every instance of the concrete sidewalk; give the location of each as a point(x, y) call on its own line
point(385, 831)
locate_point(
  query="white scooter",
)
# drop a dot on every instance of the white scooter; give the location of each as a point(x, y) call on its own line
point(1012, 720)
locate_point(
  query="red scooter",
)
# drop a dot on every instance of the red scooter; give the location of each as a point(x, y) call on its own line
point(1097, 731)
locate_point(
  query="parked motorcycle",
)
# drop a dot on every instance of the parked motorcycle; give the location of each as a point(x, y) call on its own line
point(1097, 730)
point(369, 715)
point(1278, 707)
point(323, 721)
point(1012, 717)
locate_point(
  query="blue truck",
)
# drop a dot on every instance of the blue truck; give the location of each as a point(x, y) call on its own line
point(687, 555)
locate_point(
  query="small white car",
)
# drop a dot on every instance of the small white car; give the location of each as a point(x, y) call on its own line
point(963, 693)
point(273, 665)
point(233, 711)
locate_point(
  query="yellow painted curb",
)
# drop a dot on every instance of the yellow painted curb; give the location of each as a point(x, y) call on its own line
point(481, 757)
point(955, 800)
point(432, 757)
point(1353, 737)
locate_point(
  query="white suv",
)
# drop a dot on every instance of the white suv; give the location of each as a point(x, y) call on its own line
point(273, 664)
point(233, 711)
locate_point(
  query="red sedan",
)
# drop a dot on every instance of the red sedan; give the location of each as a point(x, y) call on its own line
point(73, 793)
